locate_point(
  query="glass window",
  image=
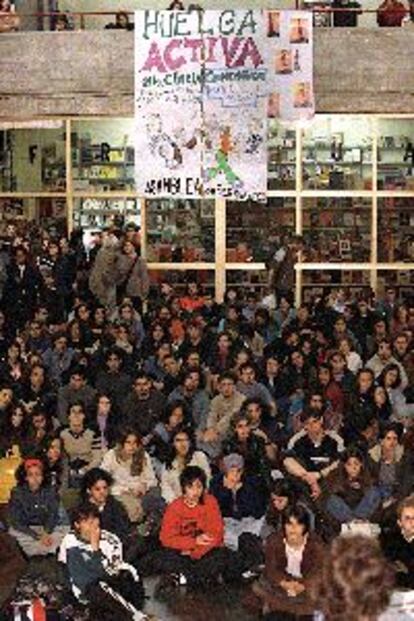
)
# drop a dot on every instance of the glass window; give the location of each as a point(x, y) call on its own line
point(317, 283)
point(96, 213)
point(254, 230)
point(396, 229)
point(281, 153)
point(337, 229)
point(395, 154)
point(402, 280)
point(248, 280)
point(50, 212)
point(33, 160)
point(180, 230)
point(337, 154)
point(103, 155)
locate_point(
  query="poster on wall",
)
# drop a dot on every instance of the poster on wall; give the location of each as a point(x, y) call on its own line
point(234, 100)
point(168, 108)
point(200, 103)
point(290, 43)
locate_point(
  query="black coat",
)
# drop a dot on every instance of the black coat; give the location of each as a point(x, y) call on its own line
point(21, 294)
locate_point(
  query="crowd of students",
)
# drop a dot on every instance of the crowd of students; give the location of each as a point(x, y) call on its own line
point(214, 442)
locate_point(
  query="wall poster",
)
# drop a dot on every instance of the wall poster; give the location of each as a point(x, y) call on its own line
point(205, 83)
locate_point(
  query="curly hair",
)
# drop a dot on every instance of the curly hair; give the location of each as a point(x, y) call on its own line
point(355, 580)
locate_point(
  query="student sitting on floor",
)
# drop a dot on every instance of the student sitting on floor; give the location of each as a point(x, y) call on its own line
point(37, 521)
point(192, 537)
point(351, 494)
point(398, 545)
point(96, 569)
point(134, 480)
point(96, 488)
point(292, 561)
point(241, 500)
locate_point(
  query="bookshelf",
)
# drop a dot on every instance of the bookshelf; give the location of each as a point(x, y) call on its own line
point(344, 182)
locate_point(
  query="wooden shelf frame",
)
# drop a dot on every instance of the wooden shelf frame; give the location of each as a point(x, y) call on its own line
point(220, 266)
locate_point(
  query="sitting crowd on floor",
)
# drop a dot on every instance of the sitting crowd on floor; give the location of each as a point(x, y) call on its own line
point(158, 432)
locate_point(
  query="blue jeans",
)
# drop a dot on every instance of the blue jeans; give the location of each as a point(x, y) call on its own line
point(365, 509)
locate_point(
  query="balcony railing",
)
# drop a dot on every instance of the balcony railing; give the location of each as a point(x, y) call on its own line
point(325, 16)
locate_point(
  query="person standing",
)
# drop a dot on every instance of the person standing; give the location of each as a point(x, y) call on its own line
point(282, 267)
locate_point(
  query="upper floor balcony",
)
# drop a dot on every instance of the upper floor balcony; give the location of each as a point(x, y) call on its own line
point(91, 72)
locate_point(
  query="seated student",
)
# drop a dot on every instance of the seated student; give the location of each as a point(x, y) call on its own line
point(292, 561)
point(176, 416)
point(390, 380)
point(77, 391)
point(97, 572)
point(350, 493)
point(37, 523)
point(241, 501)
point(251, 389)
point(13, 430)
point(263, 426)
point(192, 533)
point(193, 396)
point(391, 464)
point(282, 496)
point(313, 453)
point(398, 545)
point(182, 454)
point(96, 489)
point(252, 448)
point(57, 464)
point(39, 430)
point(222, 407)
point(382, 405)
point(81, 445)
point(134, 478)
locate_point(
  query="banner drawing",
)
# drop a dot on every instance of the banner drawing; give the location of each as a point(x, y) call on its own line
point(200, 103)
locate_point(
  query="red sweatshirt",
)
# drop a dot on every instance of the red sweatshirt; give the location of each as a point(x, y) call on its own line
point(181, 525)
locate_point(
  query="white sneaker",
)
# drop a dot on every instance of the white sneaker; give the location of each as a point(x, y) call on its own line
point(182, 580)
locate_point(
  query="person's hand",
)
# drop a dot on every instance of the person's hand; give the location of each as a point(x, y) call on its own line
point(293, 588)
point(311, 478)
point(260, 434)
point(400, 567)
point(204, 539)
point(46, 540)
point(315, 491)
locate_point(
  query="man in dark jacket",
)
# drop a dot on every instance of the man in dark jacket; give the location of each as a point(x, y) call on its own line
point(112, 380)
point(22, 289)
point(143, 407)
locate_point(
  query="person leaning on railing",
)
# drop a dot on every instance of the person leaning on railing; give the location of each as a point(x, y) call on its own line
point(9, 20)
